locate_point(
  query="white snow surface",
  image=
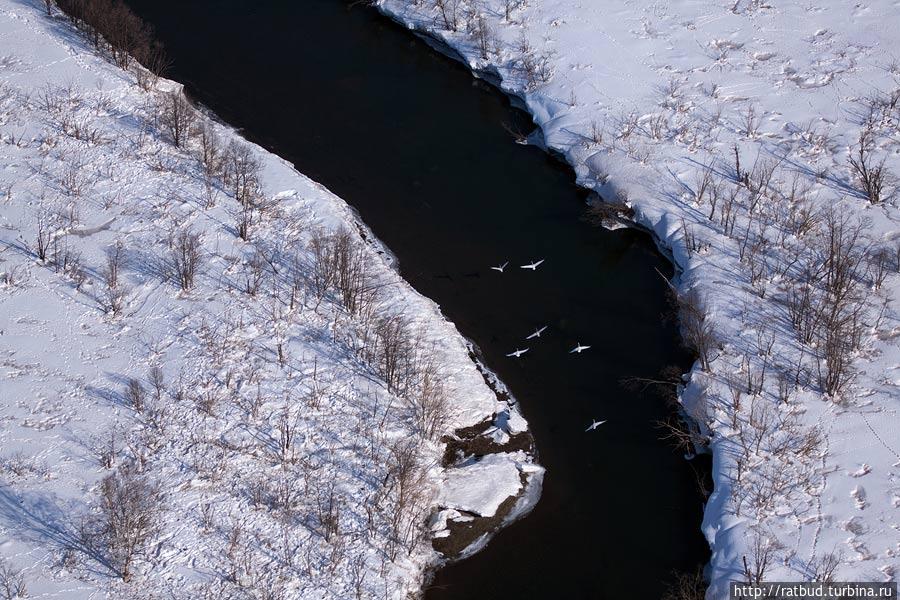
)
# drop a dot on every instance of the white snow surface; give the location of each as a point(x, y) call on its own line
point(640, 97)
point(237, 520)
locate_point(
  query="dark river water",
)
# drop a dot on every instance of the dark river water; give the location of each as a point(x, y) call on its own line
point(418, 146)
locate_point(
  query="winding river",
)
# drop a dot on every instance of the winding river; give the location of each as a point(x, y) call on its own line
point(419, 147)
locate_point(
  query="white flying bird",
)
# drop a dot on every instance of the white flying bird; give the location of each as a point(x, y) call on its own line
point(501, 267)
point(595, 425)
point(537, 333)
point(533, 266)
point(578, 348)
point(518, 353)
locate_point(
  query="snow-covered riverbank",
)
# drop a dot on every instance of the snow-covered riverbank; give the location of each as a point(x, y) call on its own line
point(202, 334)
point(748, 137)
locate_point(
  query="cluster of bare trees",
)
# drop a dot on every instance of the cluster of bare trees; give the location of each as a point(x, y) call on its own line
point(820, 257)
point(827, 303)
point(111, 26)
point(237, 168)
point(340, 267)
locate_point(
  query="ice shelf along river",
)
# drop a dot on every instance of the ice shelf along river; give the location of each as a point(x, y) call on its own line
point(419, 147)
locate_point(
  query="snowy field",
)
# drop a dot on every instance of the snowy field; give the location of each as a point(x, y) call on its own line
point(213, 383)
point(760, 143)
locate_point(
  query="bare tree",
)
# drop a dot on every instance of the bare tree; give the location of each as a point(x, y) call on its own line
point(241, 174)
point(484, 36)
point(287, 427)
point(406, 481)
point(762, 554)
point(449, 11)
point(129, 510)
point(176, 116)
point(430, 404)
point(210, 153)
point(135, 394)
point(157, 381)
point(186, 258)
point(508, 7)
point(395, 352)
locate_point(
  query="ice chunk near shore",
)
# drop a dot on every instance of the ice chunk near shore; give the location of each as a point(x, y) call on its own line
point(482, 486)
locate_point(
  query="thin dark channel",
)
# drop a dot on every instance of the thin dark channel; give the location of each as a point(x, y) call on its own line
point(407, 137)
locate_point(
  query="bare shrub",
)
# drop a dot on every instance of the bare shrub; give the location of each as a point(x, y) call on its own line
point(328, 510)
point(704, 183)
point(536, 68)
point(687, 586)
point(44, 224)
point(254, 273)
point(870, 174)
point(824, 567)
point(115, 292)
point(106, 450)
point(750, 122)
point(185, 258)
point(12, 582)
point(697, 332)
point(157, 382)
